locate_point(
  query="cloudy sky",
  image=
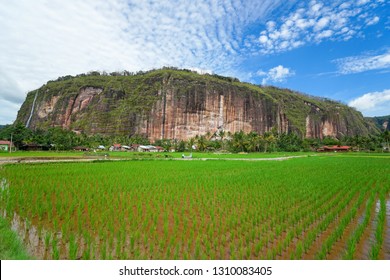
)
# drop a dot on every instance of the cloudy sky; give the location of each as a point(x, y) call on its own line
point(336, 49)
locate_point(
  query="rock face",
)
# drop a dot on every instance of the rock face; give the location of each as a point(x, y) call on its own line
point(176, 116)
point(172, 104)
point(383, 123)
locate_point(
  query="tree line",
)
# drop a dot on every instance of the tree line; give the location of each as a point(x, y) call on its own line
point(140, 72)
point(56, 138)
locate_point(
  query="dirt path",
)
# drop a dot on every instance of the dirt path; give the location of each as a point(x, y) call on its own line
point(44, 160)
point(248, 159)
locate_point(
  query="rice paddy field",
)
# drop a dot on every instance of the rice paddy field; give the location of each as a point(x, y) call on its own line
point(313, 207)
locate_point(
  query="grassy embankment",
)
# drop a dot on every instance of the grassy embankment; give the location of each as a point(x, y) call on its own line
point(142, 155)
point(11, 248)
point(163, 155)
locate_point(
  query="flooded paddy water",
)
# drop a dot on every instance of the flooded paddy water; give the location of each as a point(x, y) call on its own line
point(386, 245)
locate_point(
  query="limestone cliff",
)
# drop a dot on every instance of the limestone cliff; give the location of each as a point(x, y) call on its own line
point(175, 104)
point(383, 123)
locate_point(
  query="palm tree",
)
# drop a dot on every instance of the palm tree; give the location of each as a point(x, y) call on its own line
point(202, 143)
point(222, 135)
point(270, 140)
point(191, 143)
point(357, 141)
point(253, 141)
point(239, 141)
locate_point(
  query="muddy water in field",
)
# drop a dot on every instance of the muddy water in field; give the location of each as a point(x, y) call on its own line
point(340, 246)
point(3, 184)
point(322, 237)
point(386, 241)
point(364, 246)
point(34, 240)
point(30, 235)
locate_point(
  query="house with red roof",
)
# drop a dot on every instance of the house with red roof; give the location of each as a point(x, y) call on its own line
point(6, 145)
point(334, 148)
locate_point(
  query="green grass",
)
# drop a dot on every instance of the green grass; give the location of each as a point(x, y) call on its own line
point(11, 248)
point(202, 155)
point(23, 154)
point(196, 155)
point(361, 154)
point(145, 155)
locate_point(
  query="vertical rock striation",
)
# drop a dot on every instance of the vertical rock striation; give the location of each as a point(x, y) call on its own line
point(171, 104)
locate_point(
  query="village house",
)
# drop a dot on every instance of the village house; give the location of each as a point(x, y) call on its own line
point(6, 145)
point(81, 149)
point(119, 147)
point(334, 148)
point(33, 147)
point(146, 148)
point(159, 149)
point(116, 147)
point(134, 147)
point(150, 148)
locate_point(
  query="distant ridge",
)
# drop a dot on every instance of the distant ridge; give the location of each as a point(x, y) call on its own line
point(383, 123)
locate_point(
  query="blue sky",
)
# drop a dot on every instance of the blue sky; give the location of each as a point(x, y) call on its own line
point(335, 49)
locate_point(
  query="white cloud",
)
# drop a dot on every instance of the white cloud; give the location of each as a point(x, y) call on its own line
point(373, 103)
point(42, 40)
point(324, 34)
point(316, 21)
point(345, 5)
point(263, 39)
point(277, 74)
point(362, 2)
point(9, 88)
point(7, 109)
point(358, 64)
point(321, 23)
point(372, 21)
